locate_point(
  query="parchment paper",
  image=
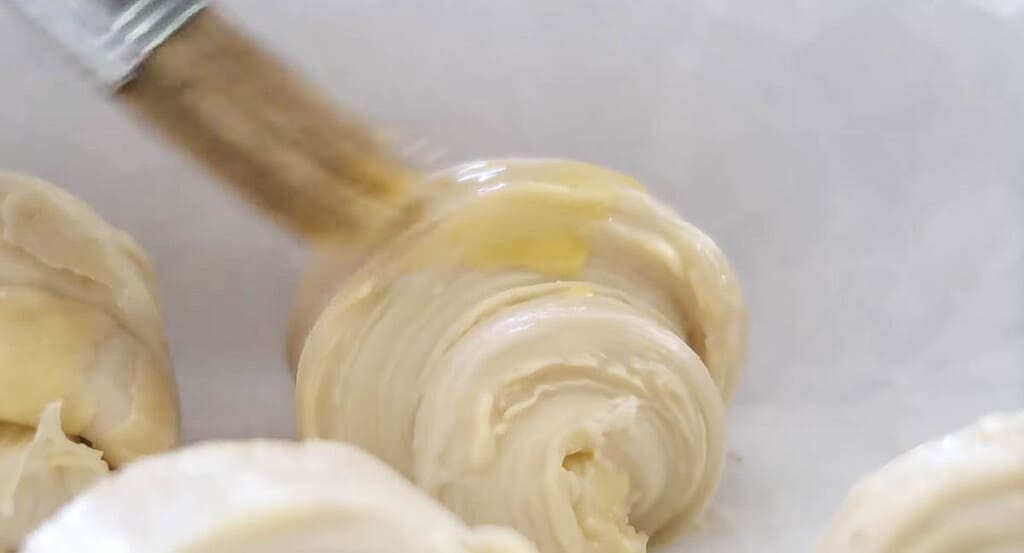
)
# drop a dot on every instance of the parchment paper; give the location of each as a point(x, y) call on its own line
point(861, 162)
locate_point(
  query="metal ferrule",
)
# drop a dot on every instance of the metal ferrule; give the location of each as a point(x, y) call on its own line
point(110, 38)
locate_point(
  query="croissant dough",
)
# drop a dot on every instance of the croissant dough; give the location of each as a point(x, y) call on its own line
point(85, 377)
point(546, 347)
point(262, 497)
point(963, 493)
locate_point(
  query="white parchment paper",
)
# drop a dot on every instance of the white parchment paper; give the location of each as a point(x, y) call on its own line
point(861, 162)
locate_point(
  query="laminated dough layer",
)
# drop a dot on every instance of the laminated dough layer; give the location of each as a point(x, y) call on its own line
point(262, 497)
point(85, 378)
point(545, 346)
point(963, 493)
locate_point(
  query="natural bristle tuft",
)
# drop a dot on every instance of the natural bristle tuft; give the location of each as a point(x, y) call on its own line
point(316, 169)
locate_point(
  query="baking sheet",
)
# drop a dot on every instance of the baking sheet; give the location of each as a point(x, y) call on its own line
point(861, 162)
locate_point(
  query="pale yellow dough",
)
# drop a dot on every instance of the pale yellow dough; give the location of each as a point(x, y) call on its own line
point(83, 356)
point(545, 347)
point(963, 493)
point(262, 497)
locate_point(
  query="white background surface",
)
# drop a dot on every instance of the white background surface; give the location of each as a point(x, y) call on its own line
point(861, 162)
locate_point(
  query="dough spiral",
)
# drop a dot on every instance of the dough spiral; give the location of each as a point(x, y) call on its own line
point(85, 377)
point(545, 347)
point(262, 497)
point(963, 493)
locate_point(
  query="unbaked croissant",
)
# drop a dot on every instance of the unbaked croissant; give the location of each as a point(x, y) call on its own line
point(963, 493)
point(85, 378)
point(545, 347)
point(262, 496)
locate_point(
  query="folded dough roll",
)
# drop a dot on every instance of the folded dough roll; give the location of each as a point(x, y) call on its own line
point(546, 347)
point(85, 377)
point(963, 493)
point(262, 497)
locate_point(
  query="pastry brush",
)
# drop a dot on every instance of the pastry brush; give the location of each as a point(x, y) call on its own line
point(245, 115)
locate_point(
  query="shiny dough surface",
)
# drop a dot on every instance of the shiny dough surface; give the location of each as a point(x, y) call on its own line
point(262, 497)
point(963, 493)
point(546, 346)
point(85, 376)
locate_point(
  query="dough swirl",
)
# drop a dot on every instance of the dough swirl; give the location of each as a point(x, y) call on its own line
point(546, 347)
point(963, 493)
point(85, 377)
point(262, 497)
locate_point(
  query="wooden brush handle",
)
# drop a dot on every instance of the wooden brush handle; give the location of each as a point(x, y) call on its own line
point(273, 137)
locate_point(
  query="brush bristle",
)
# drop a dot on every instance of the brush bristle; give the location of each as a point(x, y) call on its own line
point(316, 169)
